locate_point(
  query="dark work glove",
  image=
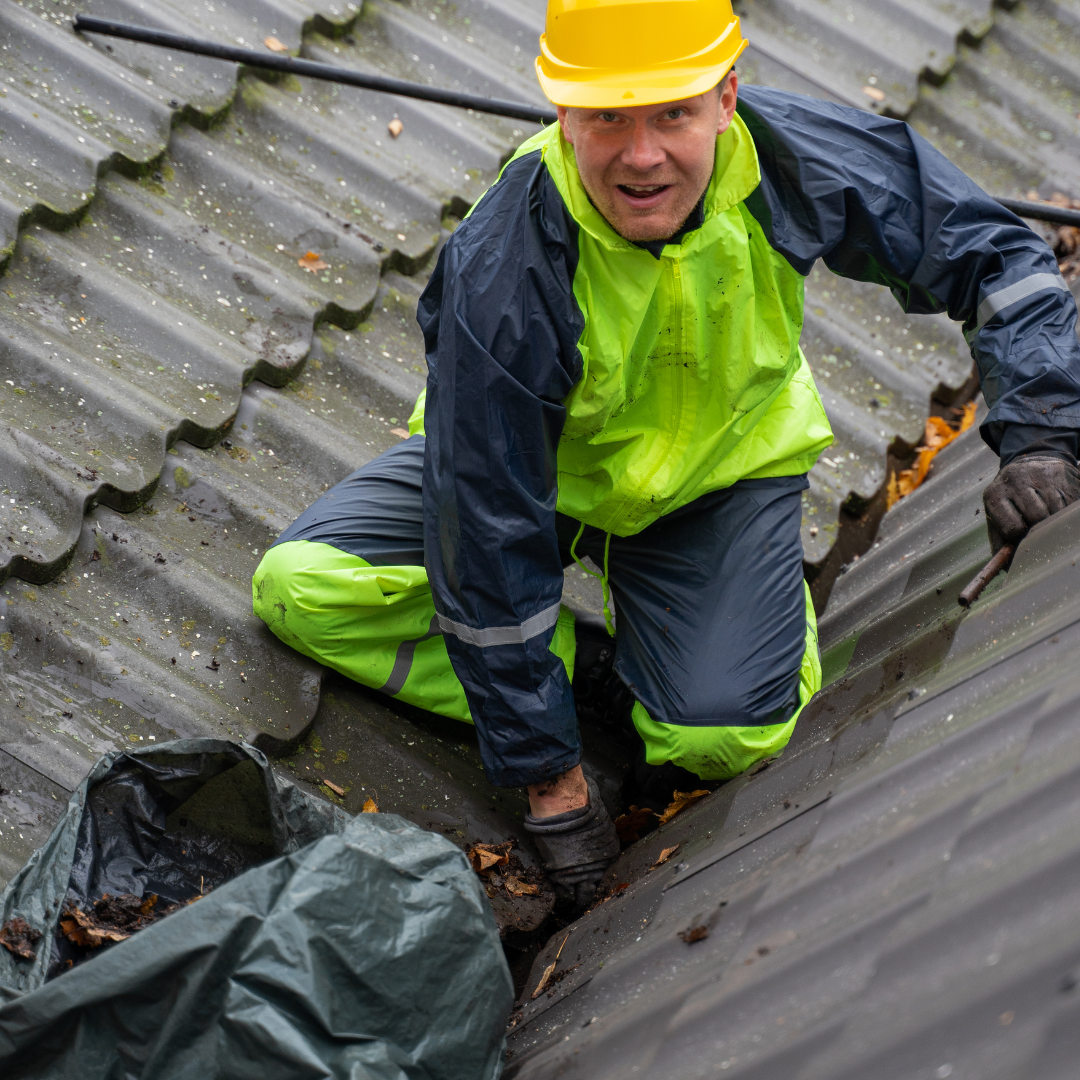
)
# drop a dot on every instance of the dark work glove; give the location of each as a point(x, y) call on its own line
point(1031, 488)
point(575, 849)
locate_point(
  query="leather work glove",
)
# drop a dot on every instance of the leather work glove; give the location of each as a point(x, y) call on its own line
point(1029, 489)
point(575, 849)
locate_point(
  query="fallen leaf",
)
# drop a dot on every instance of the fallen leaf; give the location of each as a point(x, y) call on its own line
point(81, 929)
point(274, 45)
point(312, 263)
point(542, 985)
point(485, 856)
point(680, 800)
point(938, 434)
point(334, 788)
point(628, 826)
point(874, 92)
point(695, 933)
point(517, 887)
point(665, 855)
point(369, 807)
point(148, 904)
point(19, 938)
point(395, 127)
point(400, 432)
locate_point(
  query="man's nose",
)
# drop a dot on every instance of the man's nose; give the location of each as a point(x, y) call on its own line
point(643, 150)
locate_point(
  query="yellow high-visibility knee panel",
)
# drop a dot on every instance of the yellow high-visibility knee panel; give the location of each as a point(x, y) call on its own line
point(375, 624)
point(721, 752)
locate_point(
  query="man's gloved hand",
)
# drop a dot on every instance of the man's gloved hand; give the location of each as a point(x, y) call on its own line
point(575, 849)
point(1029, 489)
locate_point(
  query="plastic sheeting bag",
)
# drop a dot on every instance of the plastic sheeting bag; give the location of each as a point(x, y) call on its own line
point(351, 948)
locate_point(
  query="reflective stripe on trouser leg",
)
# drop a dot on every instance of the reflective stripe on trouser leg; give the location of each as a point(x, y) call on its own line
point(375, 624)
point(719, 753)
point(403, 661)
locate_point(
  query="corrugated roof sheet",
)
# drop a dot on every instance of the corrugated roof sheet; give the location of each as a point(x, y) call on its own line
point(896, 896)
point(154, 307)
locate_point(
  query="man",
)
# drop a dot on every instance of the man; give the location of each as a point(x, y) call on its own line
point(614, 370)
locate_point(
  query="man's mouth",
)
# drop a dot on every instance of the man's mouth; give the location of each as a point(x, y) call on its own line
point(642, 192)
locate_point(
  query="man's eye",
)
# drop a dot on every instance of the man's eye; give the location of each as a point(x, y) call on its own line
point(608, 117)
point(674, 114)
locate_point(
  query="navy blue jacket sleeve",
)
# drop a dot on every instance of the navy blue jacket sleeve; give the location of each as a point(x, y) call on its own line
point(501, 328)
point(877, 202)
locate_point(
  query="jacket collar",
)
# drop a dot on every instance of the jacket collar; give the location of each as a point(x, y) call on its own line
point(736, 174)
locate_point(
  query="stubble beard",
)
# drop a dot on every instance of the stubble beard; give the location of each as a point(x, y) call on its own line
point(648, 225)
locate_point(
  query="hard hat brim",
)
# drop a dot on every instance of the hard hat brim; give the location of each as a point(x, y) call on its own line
point(593, 88)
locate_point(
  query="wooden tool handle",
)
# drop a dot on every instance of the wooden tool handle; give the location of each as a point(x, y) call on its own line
point(985, 576)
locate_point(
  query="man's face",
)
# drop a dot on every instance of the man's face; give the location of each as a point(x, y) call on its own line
point(645, 167)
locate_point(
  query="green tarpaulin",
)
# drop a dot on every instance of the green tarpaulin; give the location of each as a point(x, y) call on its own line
point(303, 943)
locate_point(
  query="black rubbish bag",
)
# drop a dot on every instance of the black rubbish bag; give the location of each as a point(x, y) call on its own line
point(298, 941)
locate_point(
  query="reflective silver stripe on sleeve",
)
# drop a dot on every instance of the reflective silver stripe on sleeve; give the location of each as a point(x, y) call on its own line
point(1019, 290)
point(502, 635)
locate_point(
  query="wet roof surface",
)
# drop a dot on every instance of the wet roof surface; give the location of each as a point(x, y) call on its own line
point(175, 389)
point(897, 895)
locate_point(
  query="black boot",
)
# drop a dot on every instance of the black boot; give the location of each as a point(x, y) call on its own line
point(575, 849)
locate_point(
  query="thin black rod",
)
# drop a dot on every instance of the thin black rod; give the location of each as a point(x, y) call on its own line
point(312, 69)
point(1056, 215)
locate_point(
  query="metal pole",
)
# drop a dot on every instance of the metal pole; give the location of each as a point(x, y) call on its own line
point(1056, 215)
point(312, 69)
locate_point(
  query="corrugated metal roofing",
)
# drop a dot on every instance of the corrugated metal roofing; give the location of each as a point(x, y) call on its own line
point(897, 895)
point(153, 307)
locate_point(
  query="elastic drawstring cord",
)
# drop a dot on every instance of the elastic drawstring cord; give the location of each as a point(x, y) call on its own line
point(592, 573)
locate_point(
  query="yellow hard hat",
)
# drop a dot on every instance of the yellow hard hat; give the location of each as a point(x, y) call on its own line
point(597, 54)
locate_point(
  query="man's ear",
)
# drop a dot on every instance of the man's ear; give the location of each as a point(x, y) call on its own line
point(564, 123)
point(729, 92)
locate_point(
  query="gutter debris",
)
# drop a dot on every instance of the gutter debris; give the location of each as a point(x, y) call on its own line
point(113, 918)
point(939, 433)
point(20, 938)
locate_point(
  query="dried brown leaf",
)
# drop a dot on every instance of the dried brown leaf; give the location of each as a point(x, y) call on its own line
point(545, 979)
point(332, 786)
point(400, 432)
point(939, 433)
point(83, 929)
point(484, 857)
point(19, 938)
point(542, 985)
point(517, 887)
point(274, 45)
point(369, 807)
point(874, 92)
point(680, 800)
point(312, 262)
point(395, 127)
point(665, 855)
point(629, 825)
